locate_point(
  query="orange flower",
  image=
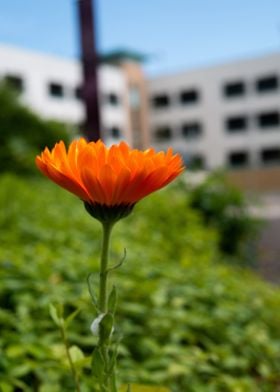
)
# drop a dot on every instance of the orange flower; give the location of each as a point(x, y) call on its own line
point(108, 178)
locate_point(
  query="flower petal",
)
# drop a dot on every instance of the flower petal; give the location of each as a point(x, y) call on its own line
point(111, 176)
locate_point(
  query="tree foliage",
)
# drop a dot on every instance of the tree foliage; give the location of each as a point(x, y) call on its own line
point(23, 134)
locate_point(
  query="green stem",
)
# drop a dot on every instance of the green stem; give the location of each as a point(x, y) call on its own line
point(107, 228)
point(103, 301)
point(71, 363)
point(114, 382)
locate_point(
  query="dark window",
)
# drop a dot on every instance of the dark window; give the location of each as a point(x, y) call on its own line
point(56, 90)
point(269, 119)
point(236, 124)
point(189, 97)
point(163, 133)
point(238, 159)
point(196, 162)
point(234, 89)
point(113, 99)
point(267, 84)
point(271, 155)
point(115, 132)
point(15, 82)
point(161, 101)
point(192, 130)
point(78, 92)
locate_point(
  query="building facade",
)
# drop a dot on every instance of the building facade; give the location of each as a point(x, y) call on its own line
point(51, 87)
point(222, 116)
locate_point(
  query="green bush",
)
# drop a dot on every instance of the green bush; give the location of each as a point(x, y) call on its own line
point(187, 321)
point(224, 207)
point(23, 134)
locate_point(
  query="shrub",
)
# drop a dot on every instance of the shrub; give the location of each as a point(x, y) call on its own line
point(225, 207)
point(23, 133)
point(188, 322)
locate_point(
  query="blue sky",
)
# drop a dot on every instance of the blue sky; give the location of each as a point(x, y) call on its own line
point(178, 34)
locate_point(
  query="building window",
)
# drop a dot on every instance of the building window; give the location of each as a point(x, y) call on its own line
point(267, 84)
point(112, 99)
point(270, 155)
point(56, 90)
point(115, 132)
point(236, 124)
point(238, 159)
point(192, 130)
point(269, 119)
point(161, 101)
point(234, 89)
point(188, 97)
point(15, 82)
point(163, 133)
point(78, 92)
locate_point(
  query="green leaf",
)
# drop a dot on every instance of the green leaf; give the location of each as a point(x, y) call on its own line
point(21, 369)
point(71, 317)
point(56, 314)
point(5, 387)
point(76, 354)
point(98, 365)
point(113, 358)
point(112, 301)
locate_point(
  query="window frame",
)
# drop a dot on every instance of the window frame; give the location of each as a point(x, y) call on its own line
point(229, 124)
point(194, 96)
point(52, 86)
point(269, 162)
point(15, 81)
point(192, 125)
point(242, 165)
point(161, 106)
point(159, 129)
point(266, 89)
point(261, 122)
point(236, 94)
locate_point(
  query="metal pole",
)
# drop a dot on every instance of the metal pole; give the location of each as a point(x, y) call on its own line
point(89, 59)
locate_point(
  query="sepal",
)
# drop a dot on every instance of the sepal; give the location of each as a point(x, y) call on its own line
point(108, 214)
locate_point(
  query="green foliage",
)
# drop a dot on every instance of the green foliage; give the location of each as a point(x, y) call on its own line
point(186, 321)
point(225, 208)
point(23, 134)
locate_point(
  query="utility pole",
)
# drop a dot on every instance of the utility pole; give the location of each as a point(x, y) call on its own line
point(89, 59)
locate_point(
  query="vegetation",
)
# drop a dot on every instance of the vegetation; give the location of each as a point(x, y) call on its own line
point(23, 134)
point(189, 321)
point(225, 208)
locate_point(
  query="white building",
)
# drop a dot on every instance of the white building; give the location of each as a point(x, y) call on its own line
point(51, 87)
point(222, 116)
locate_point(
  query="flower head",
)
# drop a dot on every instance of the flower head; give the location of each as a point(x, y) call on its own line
point(109, 180)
